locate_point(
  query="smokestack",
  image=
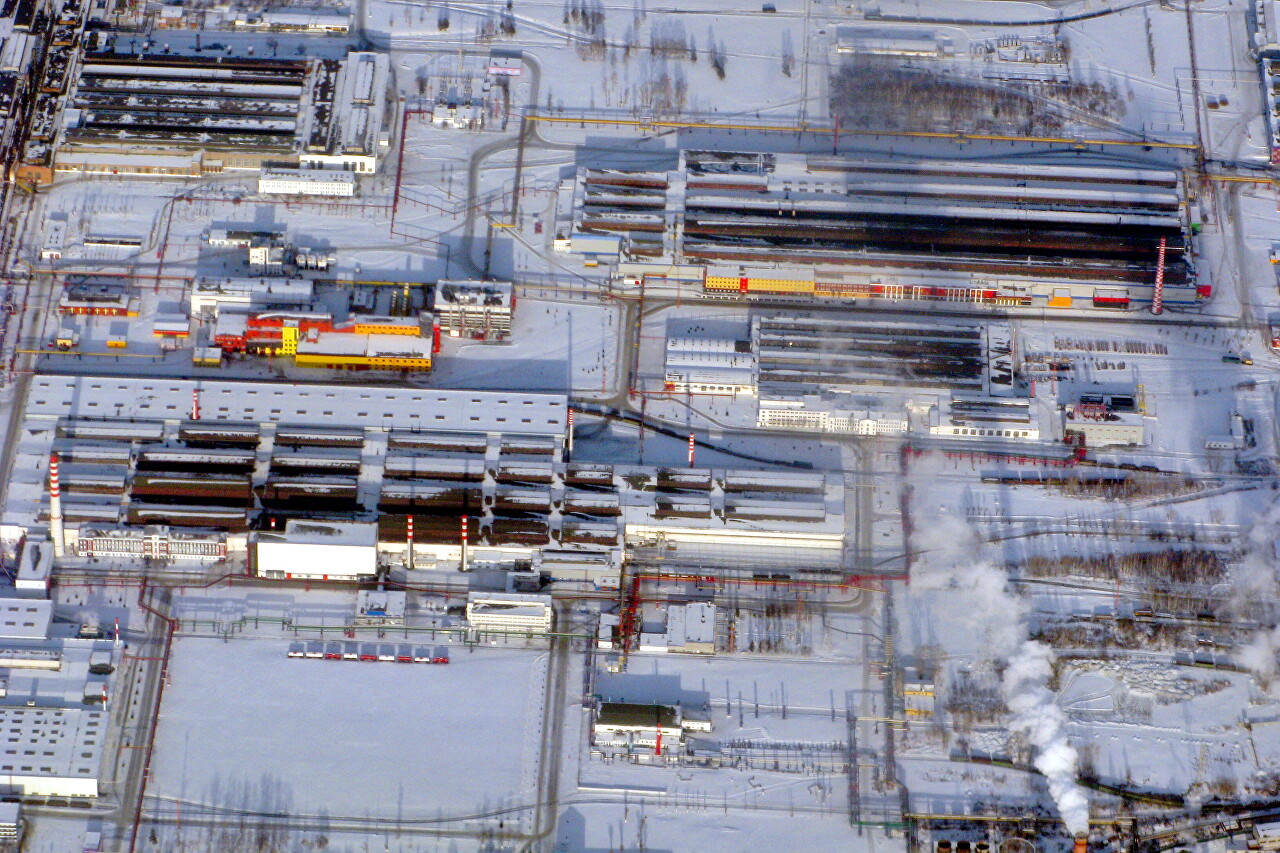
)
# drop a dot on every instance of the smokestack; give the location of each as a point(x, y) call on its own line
point(462, 565)
point(408, 535)
point(569, 421)
point(56, 533)
point(195, 404)
point(1082, 843)
point(690, 450)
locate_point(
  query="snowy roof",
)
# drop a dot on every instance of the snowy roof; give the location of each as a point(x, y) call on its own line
point(354, 534)
point(297, 404)
point(632, 715)
point(309, 176)
point(25, 618)
point(69, 741)
point(691, 623)
point(371, 346)
point(487, 293)
point(371, 602)
point(710, 360)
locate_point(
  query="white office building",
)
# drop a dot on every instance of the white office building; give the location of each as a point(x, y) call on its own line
point(316, 182)
point(519, 612)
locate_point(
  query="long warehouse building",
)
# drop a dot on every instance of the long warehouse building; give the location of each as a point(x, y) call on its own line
point(824, 227)
point(177, 115)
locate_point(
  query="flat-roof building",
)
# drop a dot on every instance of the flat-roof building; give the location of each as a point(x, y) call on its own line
point(475, 309)
point(323, 550)
point(181, 115)
point(633, 725)
point(364, 352)
point(347, 102)
point(25, 618)
point(312, 182)
point(710, 366)
point(51, 752)
point(499, 611)
point(212, 295)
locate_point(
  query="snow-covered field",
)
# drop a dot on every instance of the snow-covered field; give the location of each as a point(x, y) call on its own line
point(245, 728)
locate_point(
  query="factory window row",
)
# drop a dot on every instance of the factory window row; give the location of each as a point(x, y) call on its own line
point(1006, 433)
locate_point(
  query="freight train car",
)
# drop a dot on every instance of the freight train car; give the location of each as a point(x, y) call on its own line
point(815, 285)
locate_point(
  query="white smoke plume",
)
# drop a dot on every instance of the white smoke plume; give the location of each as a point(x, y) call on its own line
point(949, 559)
point(1254, 579)
point(1038, 718)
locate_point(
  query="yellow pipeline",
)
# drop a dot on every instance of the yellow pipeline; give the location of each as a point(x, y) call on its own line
point(914, 134)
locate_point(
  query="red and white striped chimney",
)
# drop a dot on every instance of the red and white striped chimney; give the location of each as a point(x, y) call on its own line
point(462, 564)
point(56, 532)
point(195, 404)
point(690, 450)
point(408, 536)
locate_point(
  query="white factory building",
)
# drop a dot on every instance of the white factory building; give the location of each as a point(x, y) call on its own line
point(986, 418)
point(633, 726)
point(710, 366)
point(475, 309)
point(819, 414)
point(211, 295)
point(51, 752)
point(509, 612)
point(318, 550)
point(354, 139)
point(50, 743)
point(312, 182)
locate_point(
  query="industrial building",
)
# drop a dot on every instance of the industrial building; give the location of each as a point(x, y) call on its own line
point(187, 116)
point(817, 228)
point(380, 608)
point(656, 729)
point(806, 356)
point(51, 752)
point(691, 628)
point(710, 366)
point(470, 479)
point(98, 296)
point(152, 542)
point(987, 418)
point(55, 237)
point(317, 551)
point(479, 310)
point(210, 296)
point(510, 612)
point(25, 618)
point(280, 332)
point(347, 109)
point(364, 352)
point(1104, 420)
point(819, 413)
point(283, 21)
point(311, 182)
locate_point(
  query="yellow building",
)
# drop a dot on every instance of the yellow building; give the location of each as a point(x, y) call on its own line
point(364, 352)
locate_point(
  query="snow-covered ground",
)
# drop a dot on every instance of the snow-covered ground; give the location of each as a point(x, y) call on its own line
point(245, 728)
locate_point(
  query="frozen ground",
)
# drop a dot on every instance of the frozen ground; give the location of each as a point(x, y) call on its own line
point(245, 728)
